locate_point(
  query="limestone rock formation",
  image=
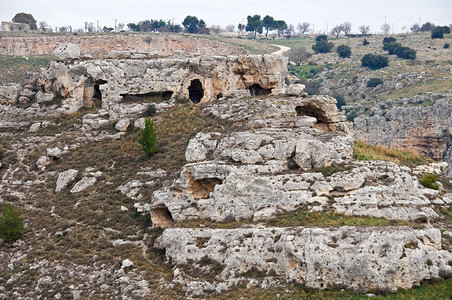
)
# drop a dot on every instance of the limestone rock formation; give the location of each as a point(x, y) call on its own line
point(65, 178)
point(200, 79)
point(66, 51)
point(422, 124)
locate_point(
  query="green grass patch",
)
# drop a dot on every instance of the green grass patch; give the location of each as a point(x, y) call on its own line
point(366, 151)
point(15, 68)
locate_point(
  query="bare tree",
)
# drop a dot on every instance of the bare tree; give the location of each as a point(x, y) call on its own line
point(90, 27)
point(43, 25)
point(290, 31)
point(385, 28)
point(346, 27)
point(415, 28)
point(120, 26)
point(69, 27)
point(337, 30)
point(216, 28)
point(364, 29)
point(303, 28)
point(62, 29)
point(298, 54)
point(230, 28)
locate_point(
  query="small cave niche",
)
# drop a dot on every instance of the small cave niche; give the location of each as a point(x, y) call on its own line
point(201, 188)
point(195, 91)
point(161, 217)
point(257, 90)
point(311, 111)
point(219, 96)
point(147, 97)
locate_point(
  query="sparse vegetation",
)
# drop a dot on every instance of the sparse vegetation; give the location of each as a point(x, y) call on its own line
point(322, 45)
point(365, 42)
point(373, 82)
point(429, 182)
point(11, 224)
point(366, 151)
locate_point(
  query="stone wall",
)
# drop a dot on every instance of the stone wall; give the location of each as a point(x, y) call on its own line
point(98, 45)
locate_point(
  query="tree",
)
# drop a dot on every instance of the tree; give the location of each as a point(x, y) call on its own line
point(133, 27)
point(364, 29)
point(43, 25)
point(230, 28)
point(385, 28)
point(191, 24)
point(337, 30)
point(120, 26)
point(347, 27)
point(280, 26)
point(322, 37)
point(268, 23)
point(216, 29)
point(322, 46)
point(344, 51)
point(107, 29)
point(390, 47)
point(388, 39)
point(254, 24)
point(298, 54)
point(63, 29)
point(90, 27)
point(148, 137)
point(405, 52)
point(439, 31)
point(303, 28)
point(290, 31)
point(11, 224)
point(427, 27)
point(374, 61)
point(241, 27)
point(26, 19)
point(415, 28)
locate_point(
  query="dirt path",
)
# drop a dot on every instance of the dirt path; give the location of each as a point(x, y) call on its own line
point(281, 50)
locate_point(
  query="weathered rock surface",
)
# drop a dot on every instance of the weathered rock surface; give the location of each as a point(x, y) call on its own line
point(83, 184)
point(64, 179)
point(361, 259)
point(200, 78)
point(422, 124)
point(65, 51)
point(122, 125)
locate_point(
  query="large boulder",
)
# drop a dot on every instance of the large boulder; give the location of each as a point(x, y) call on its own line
point(66, 51)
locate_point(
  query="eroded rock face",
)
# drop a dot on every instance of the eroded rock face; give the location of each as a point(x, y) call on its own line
point(68, 50)
point(200, 79)
point(361, 259)
point(422, 124)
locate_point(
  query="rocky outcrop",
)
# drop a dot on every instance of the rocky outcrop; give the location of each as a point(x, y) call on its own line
point(200, 79)
point(422, 124)
point(361, 259)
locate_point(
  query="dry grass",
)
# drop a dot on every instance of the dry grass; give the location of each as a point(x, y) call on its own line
point(366, 151)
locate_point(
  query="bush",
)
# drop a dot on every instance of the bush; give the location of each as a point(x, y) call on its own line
point(150, 110)
point(373, 82)
point(374, 61)
point(390, 47)
point(429, 182)
point(439, 31)
point(11, 224)
point(322, 46)
point(405, 52)
point(344, 51)
point(388, 39)
point(340, 101)
point(148, 137)
point(366, 42)
point(322, 37)
point(446, 46)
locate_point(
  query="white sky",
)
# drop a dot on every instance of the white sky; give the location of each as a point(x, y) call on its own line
point(317, 12)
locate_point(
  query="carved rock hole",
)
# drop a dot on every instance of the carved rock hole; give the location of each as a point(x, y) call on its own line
point(161, 217)
point(257, 90)
point(195, 91)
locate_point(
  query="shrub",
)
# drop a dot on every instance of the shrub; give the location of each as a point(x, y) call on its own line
point(388, 39)
point(429, 182)
point(322, 46)
point(150, 110)
point(405, 52)
point(374, 61)
point(148, 137)
point(340, 101)
point(390, 47)
point(373, 82)
point(322, 37)
point(344, 51)
point(11, 224)
point(366, 42)
point(446, 46)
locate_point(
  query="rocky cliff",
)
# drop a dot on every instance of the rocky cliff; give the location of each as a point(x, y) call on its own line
point(422, 124)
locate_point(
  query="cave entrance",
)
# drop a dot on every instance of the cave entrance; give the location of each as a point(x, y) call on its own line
point(161, 217)
point(316, 112)
point(97, 97)
point(195, 91)
point(257, 90)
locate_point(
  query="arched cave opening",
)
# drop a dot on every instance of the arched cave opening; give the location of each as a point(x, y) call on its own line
point(161, 217)
point(311, 111)
point(195, 91)
point(257, 90)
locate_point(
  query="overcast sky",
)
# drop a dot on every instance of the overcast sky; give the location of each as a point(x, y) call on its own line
point(317, 12)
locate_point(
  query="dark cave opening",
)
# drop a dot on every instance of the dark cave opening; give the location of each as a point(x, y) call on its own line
point(195, 91)
point(257, 90)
